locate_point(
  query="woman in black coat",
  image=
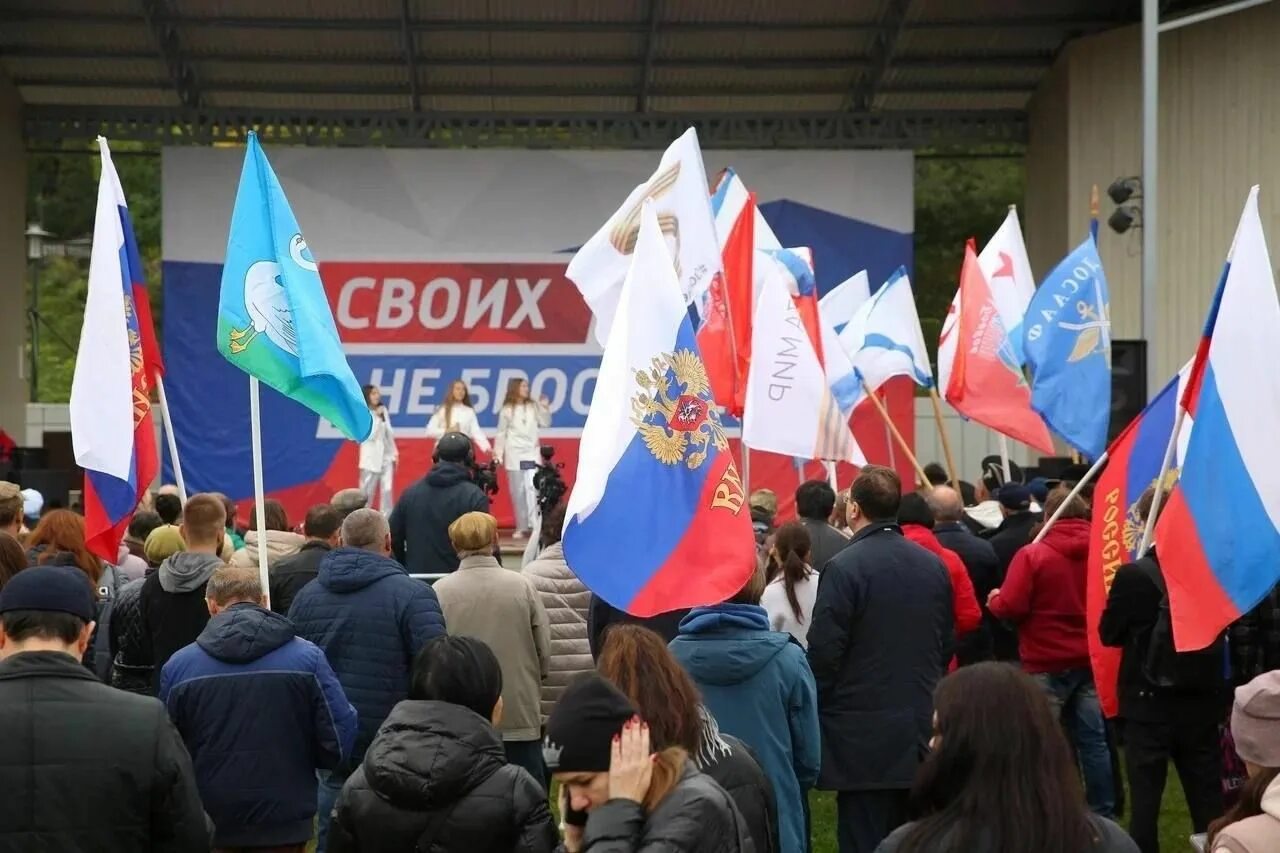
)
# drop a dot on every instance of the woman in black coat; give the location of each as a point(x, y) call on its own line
point(618, 796)
point(436, 777)
point(639, 664)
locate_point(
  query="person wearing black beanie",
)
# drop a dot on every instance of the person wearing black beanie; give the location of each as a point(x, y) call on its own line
point(618, 794)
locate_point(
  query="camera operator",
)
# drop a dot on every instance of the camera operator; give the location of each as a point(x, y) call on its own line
point(420, 521)
point(548, 487)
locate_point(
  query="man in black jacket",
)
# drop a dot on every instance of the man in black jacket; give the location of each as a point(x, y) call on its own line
point(882, 632)
point(293, 573)
point(979, 560)
point(1006, 540)
point(815, 500)
point(1177, 720)
point(420, 522)
point(72, 734)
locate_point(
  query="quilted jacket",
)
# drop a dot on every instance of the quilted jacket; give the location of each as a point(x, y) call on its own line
point(566, 601)
point(130, 644)
point(371, 619)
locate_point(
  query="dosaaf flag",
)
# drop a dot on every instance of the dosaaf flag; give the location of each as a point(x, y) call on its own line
point(657, 519)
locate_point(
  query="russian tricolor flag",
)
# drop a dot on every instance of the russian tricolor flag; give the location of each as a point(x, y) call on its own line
point(657, 519)
point(1219, 535)
point(118, 359)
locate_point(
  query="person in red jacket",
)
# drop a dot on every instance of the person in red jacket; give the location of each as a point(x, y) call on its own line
point(1044, 595)
point(916, 518)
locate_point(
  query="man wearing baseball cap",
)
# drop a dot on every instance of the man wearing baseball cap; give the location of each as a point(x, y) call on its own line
point(87, 767)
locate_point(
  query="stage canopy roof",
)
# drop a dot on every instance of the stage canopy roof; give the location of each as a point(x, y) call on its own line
point(608, 73)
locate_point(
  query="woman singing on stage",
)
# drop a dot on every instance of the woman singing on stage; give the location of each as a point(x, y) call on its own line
point(516, 449)
point(378, 453)
point(455, 414)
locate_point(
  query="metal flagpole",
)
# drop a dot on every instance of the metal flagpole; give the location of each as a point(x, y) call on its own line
point(255, 429)
point(171, 439)
point(1149, 530)
point(1150, 182)
point(1004, 456)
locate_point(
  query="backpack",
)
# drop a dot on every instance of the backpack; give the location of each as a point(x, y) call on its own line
point(98, 658)
point(1163, 665)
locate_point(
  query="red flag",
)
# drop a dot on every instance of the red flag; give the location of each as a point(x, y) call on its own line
point(987, 384)
point(725, 337)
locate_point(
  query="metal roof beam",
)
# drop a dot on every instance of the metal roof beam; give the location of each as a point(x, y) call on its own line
point(1031, 22)
point(868, 82)
point(410, 57)
point(885, 129)
point(491, 91)
point(1031, 60)
point(165, 31)
point(650, 44)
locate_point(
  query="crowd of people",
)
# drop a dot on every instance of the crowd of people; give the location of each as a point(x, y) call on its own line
point(917, 654)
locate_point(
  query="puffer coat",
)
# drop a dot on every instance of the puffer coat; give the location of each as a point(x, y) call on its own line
point(566, 601)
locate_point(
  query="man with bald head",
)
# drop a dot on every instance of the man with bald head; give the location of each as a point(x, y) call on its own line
point(980, 560)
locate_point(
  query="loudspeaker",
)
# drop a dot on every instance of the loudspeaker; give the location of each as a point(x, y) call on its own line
point(1128, 384)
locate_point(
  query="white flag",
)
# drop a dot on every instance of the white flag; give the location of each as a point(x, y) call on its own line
point(1004, 262)
point(844, 300)
point(884, 339)
point(679, 192)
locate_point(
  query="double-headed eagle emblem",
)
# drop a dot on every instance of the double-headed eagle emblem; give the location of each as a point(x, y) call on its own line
point(673, 410)
point(1135, 524)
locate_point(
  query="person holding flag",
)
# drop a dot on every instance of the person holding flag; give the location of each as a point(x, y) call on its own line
point(1067, 343)
point(274, 321)
point(111, 426)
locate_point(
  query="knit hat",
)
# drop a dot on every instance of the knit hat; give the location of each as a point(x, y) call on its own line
point(162, 543)
point(1255, 719)
point(54, 589)
point(581, 727)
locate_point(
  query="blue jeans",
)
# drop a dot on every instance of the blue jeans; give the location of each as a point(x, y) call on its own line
point(330, 785)
point(1075, 702)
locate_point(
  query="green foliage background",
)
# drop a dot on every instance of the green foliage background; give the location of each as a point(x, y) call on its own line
point(957, 196)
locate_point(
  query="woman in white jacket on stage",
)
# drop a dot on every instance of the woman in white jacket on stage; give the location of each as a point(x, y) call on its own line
point(516, 449)
point(455, 414)
point(378, 454)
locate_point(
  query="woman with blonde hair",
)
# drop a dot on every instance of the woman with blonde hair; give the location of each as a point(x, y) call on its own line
point(516, 449)
point(456, 414)
point(617, 794)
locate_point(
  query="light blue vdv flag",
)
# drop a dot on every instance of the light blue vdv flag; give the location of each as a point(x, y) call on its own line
point(1067, 342)
point(273, 318)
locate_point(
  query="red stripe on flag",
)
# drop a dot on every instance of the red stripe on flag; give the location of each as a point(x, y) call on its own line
point(1198, 604)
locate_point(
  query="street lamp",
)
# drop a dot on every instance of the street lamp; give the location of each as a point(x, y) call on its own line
point(36, 237)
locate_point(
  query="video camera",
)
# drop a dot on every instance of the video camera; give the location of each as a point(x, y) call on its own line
point(547, 482)
point(485, 476)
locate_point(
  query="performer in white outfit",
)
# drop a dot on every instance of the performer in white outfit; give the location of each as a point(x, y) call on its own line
point(516, 449)
point(455, 414)
point(378, 454)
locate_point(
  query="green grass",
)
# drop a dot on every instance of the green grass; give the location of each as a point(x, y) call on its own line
point(1175, 822)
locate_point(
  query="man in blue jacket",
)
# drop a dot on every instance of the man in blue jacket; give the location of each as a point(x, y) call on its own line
point(259, 709)
point(371, 619)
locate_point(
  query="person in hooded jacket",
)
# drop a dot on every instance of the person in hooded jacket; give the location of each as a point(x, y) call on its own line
point(566, 600)
point(436, 777)
point(280, 540)
point(370, 618)
point(420, 521)
point(171, 607)
point(638, 662)
point(917, 522)
point(618, 795)
point(757, 683)
point(259, 710)
point(1044, 595)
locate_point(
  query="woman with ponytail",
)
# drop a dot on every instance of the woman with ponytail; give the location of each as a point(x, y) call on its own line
point(792, 583)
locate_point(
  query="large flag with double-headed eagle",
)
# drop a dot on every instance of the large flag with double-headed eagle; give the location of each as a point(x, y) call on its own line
point(679, 190)
point(1220, 531)
point(111, 425)
point(986, 383)
point(1133, 464)
point(657, 519)
point(1067, 343)
point(274, 321)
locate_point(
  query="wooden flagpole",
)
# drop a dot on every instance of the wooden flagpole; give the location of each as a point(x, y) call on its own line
point(946, 440)
point(893, 430)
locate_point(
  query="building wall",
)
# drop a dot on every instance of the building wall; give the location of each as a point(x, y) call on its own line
point(13, 266)
point(1219, 123)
